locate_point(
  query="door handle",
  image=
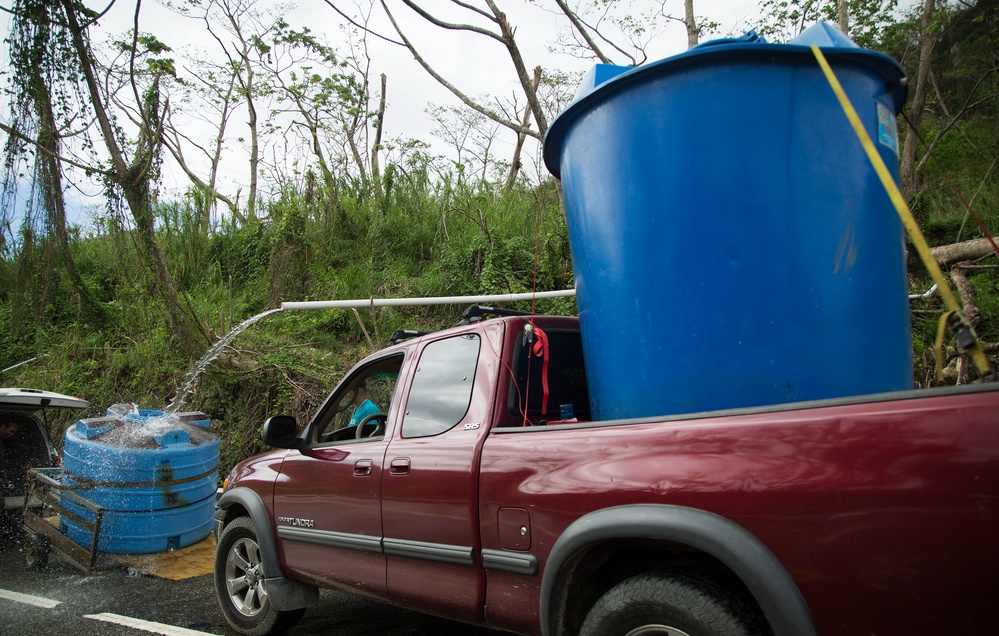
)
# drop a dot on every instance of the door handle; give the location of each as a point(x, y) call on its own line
point(399, 466)
point(362, 468)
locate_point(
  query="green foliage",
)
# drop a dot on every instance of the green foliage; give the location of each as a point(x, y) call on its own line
point(239, 252)
point(782, 20)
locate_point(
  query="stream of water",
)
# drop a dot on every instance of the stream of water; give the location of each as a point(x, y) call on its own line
point(213, 352)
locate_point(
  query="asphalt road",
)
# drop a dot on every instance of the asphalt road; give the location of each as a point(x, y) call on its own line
point(80, 605)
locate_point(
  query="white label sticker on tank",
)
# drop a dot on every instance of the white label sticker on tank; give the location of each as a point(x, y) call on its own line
point(887, 129)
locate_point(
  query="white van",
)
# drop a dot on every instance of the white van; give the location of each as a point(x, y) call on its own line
point(24, 444)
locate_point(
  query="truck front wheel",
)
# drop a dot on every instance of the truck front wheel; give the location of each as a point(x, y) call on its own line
point(667, 604)
point(240, 585)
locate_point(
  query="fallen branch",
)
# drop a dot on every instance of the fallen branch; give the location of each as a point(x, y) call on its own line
point(947, 255)
point(966, 291)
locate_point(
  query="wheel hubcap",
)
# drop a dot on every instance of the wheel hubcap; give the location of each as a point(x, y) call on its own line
point(245, 578)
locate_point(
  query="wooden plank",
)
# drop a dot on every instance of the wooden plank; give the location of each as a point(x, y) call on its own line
point(75, 554)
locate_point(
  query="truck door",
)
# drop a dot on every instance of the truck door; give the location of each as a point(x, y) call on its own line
point(430, 481)
point(326, 501)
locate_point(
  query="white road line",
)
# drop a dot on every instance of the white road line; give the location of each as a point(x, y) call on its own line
point(28, 599)
point(148, 626)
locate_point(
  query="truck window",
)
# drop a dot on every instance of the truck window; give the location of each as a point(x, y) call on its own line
point(442, 386)
point(566, 380)
point(369, 390)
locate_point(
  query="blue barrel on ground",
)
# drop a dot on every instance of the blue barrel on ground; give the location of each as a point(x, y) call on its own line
point(154, 474)
point(732, 245)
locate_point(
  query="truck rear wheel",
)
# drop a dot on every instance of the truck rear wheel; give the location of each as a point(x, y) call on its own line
point(240, 586)
point(667, 604)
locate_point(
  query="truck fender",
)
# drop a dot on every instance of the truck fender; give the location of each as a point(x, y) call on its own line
point(284, 594)
point(744, 554)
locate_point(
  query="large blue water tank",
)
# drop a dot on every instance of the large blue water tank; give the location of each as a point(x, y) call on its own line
point(731, 244)
point(155, 476)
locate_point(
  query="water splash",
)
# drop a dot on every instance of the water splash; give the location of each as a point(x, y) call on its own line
point(127, 426)
point(213, 352)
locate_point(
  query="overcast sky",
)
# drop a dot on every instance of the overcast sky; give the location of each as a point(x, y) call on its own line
point(477, 65)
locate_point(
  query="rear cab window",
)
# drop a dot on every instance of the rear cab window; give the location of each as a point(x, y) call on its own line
point(566, 380)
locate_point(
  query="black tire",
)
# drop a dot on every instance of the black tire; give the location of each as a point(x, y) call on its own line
point(662, 604)
point(240, 587)
point(36, 551)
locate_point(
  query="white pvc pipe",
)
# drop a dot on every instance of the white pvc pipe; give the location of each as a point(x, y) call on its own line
point(929, 293)
point(433, 300)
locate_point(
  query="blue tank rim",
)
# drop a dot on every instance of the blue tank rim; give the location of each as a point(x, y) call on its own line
point(719, 51)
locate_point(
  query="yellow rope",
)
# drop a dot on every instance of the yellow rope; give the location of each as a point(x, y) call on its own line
point(953, 318)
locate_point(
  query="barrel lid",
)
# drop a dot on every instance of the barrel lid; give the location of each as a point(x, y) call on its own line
point(603, 80)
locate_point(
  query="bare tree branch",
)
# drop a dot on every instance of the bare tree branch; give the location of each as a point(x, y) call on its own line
point(11, 131)
point(100, 110)
point(360, 26)
point(175, 150)
point(583, 31)
point(468, 101)
point(946, 255)
point(453, 26)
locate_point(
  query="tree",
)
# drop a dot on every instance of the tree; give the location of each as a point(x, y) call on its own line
point(212, 89)
point(843, 15)
point(518, 149)
point(470, 133)
point(248, 30)
point(601, 30)
point(907, 167)
point(133, 177)
point(326, 99)
point(39, 106)
point(951, 52)
point(690, 21)
point(607, 32)
point(501, 32)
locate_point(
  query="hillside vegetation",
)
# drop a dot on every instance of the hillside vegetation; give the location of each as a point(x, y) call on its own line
point(422, 239)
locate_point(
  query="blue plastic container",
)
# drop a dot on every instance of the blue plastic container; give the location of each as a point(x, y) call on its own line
point(155, 478)
point(731, 244)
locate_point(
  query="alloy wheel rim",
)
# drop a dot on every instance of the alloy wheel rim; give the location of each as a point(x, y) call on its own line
point(244, 578)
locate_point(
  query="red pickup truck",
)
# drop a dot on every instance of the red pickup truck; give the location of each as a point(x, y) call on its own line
point(466, 496)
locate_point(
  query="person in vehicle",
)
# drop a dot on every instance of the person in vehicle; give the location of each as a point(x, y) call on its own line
point(364, 406)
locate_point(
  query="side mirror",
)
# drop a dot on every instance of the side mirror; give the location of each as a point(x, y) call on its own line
point(281, 431)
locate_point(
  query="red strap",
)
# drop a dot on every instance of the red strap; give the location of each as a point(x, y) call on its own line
point(540, 349)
